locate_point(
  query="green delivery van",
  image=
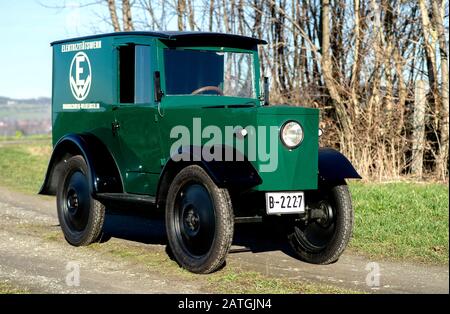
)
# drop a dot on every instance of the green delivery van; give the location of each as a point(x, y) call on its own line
point(180, 122)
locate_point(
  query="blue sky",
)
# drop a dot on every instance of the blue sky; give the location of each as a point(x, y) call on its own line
point(26, 30)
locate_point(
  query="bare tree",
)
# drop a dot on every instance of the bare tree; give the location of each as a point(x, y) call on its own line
point(126, 16)
point(442, 160)
point(181, 11)
point(333, 87)
point(191, 16)
point(113, 14)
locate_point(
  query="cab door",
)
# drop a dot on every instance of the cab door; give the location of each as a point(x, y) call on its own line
point(135, 122)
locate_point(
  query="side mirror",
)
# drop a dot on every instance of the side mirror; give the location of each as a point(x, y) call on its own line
point(266, 90)
point(157, 85)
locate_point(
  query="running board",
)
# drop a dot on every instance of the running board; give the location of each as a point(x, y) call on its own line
point(244, 220)
point(126, 197)
point(138, 198)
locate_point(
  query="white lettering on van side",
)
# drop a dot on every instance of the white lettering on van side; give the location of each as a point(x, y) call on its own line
point(81, 106)
point(84, 45)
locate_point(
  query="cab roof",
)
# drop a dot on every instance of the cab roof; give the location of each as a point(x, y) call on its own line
point(182, 38)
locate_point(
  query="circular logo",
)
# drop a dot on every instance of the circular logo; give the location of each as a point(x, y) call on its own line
point(80, 76)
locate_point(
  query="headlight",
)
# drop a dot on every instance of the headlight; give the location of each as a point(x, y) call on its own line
point(320, 132)
point(291, 134)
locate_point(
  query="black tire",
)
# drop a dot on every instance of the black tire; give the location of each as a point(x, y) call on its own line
point(199, 221)
point(323, 241)
point(102, 238)
point(81, 216)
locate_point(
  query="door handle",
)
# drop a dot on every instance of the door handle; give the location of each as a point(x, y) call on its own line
point(115, 126)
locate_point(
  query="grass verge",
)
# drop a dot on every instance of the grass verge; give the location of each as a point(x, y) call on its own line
point(404, 220)
point(23, 165)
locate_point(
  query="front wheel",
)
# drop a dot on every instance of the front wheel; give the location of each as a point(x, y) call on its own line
point(322, 236)
point(199, 221)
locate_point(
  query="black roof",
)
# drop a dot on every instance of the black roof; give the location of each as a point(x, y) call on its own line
point(185, 37)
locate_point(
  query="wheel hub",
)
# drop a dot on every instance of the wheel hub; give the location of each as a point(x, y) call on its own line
point(76, 201)
point(327, 214)
point(72, 201)
point(191, 220)
point(195, 222)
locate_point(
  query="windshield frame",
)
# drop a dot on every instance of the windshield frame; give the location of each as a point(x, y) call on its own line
point(214, 98)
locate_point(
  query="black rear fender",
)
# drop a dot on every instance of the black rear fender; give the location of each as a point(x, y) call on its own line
point(104, 175)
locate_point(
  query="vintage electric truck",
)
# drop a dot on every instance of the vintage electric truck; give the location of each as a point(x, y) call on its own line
point(180, 121)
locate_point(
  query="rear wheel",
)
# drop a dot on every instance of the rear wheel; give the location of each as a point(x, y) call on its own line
point(81, 216)
point(324, 234)
point(199, 221)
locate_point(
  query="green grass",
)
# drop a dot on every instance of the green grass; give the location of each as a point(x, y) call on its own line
point(23, 166)
point(6, 288)
point(233, 279)
point(404, 220)
point(400, 221)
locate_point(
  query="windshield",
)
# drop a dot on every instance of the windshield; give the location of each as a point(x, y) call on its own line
point(198, 72)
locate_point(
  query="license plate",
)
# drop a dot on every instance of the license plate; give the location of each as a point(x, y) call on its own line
point(285, 202)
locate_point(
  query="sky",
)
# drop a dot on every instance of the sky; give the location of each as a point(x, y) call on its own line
point(27, 28)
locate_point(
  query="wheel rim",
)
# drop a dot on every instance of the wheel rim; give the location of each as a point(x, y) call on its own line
point(314, 236)
point(194, 221)
point(76, 201)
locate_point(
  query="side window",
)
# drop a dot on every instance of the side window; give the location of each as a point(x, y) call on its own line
point(134, 74)
point(126, 73)
point(143, 74)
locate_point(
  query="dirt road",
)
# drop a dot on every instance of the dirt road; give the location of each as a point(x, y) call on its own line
point(30, 261)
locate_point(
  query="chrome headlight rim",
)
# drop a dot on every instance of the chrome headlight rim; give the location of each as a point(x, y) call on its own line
point(281, 134)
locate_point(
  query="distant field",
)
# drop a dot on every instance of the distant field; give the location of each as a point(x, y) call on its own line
point(25, 112)
point(401, 221)
point(22, 138)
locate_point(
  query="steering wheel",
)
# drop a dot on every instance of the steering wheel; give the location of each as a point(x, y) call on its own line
point(207, 88)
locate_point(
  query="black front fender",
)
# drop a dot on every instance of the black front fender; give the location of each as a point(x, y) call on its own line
point(333, 166)
point(238, 174)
